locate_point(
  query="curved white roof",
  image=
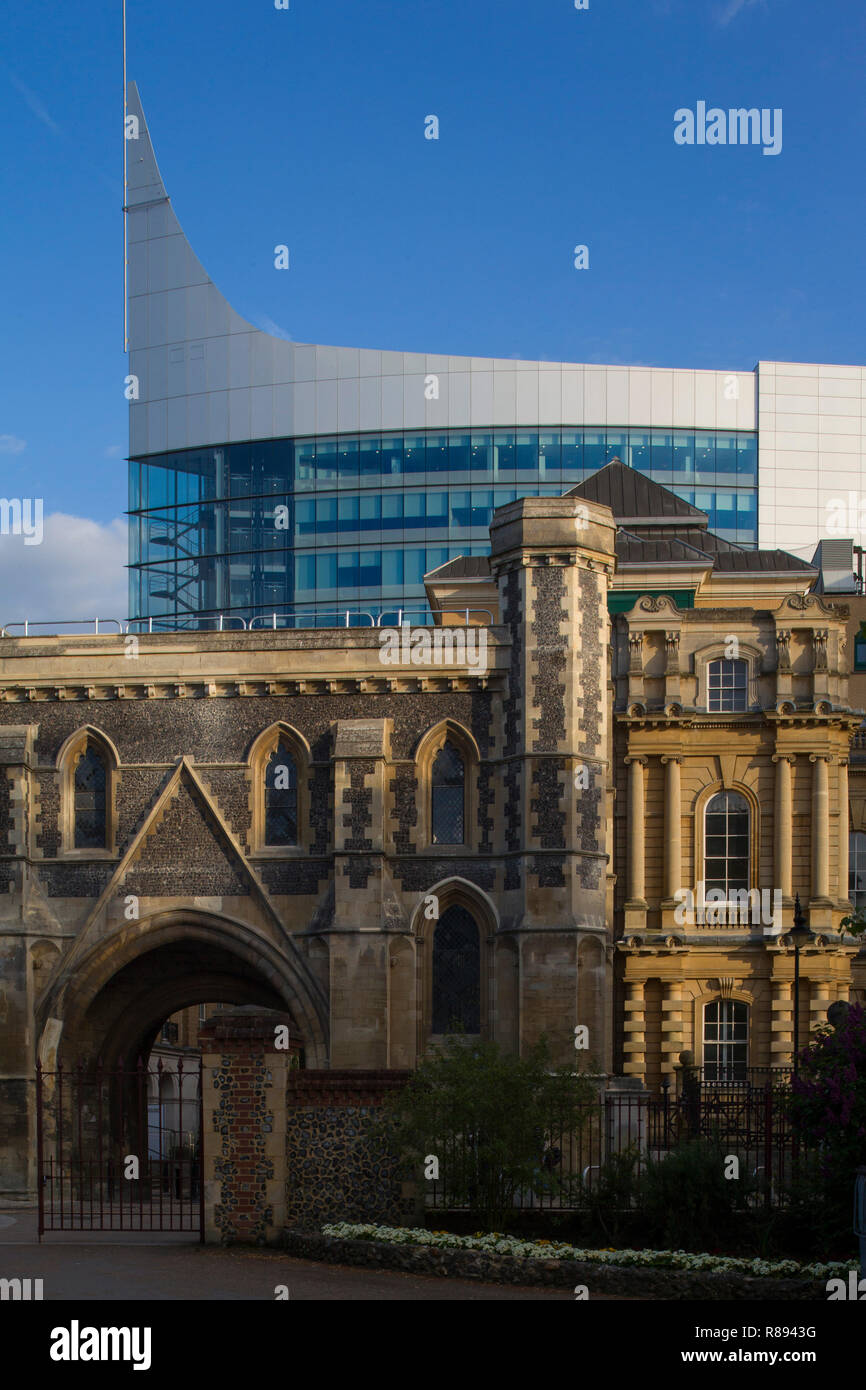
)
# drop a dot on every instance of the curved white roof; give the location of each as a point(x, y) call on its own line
point(207, 377)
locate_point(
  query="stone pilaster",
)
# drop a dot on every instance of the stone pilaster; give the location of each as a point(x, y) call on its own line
point(842, 890)
point(672, 1025)
point(636, 905)
point(634, 1028)
point(781, 1023)
point(673, 828)
point(820, 897)
point(783, 826)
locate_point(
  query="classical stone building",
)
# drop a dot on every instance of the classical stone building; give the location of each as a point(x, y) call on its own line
point(383, 836)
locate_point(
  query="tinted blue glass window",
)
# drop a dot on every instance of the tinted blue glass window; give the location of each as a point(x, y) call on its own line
point(572, 455)
point(504, 454)
point(347, 460)
point(326, 570)
point(549, 456)
point(370, 512)
point(726, 459)
point(459, 453)
point(348, 510)
point(593, 450)
point(662, 457)
point(639, 451)
point(747, 456)
point(414, 509)
point(527, 453)
point(326, 461)
point(369, 458)
point(481, 451)
point(392, 569)
point(705, 458)
point(188, 533)
point(305, 517)
point(414, 566)
point(684, 456)
point(437, 453)
point(461, 509)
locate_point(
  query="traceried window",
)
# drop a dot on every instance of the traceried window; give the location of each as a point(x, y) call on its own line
point(456, 973)
point(448, 796)
point(727, 685)
point(857, 868)
point(281, 797)
point(726, 1040)
point(90, 799)
point(726, 842)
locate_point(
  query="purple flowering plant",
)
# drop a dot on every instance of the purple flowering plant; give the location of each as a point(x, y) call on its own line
point(828, 1098)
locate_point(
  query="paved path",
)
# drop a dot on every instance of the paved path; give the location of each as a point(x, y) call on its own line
point(167, 1267)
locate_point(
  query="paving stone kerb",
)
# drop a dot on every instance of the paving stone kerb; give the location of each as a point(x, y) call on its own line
point(672, 1284)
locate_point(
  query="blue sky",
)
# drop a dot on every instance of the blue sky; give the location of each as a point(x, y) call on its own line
point(306, 127)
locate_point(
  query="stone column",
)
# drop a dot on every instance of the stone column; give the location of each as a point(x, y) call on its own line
point(636, 831)
point(782, 869)
point(782, 1024)
point(673, 827)
point(634, 1047)
point(820, 825)
point(842, 890)
point(822, 994)
point(672, 1025)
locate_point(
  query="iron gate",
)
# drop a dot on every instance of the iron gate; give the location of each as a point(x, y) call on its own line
point(120, 1149)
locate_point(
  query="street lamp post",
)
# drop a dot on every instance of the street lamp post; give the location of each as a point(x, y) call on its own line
point(800, 936)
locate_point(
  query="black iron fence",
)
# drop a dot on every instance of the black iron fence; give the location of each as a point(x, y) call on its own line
point(750, 1122)
point(119, 1150)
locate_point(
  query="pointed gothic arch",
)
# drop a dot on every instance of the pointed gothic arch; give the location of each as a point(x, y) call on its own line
point(280, 802)
point(444, 754)
point(87, 766)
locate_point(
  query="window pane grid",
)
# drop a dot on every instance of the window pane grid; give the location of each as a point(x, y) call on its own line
point(726, 843)
point(727, 685)
point(281, 798)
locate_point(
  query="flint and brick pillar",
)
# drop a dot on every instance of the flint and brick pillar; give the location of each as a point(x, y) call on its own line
point(553, 558)
point(243, 1142)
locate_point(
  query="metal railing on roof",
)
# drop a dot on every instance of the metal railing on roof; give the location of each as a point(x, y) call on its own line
point(224, 622)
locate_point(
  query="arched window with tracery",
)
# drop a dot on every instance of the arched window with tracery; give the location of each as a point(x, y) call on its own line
point(90, 799)
point(456, 973)
point(281, 797)
point(448, 796)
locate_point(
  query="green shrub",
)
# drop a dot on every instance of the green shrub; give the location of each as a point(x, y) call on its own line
point(688, 1203)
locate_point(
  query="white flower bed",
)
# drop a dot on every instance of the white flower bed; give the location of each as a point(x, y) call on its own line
point(556, 1250)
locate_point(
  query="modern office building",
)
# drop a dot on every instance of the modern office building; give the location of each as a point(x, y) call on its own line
point(268, 476)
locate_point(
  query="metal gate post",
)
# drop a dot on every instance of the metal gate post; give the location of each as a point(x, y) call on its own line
point(39, 1156)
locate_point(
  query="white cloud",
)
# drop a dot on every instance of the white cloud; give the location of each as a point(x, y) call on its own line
point(11, 444)
point(34, 103)
point(267, 325)
point(115, 451)
point(733, 8)
point(77, 572)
